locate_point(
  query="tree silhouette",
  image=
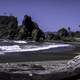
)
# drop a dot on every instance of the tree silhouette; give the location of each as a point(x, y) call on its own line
point(63, 32)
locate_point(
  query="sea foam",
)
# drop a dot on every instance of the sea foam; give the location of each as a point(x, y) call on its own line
point(17, 48)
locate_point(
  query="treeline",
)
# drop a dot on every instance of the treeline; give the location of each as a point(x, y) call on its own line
point(29, 30)
point(63, 34)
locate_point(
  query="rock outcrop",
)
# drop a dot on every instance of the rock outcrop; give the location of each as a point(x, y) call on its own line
point(9, 29)
point(22, 71)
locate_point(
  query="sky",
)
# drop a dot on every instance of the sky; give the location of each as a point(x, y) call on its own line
point(50, 15)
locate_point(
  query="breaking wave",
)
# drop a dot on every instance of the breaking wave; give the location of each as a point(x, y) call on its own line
point(26, 48)
point(20, 41)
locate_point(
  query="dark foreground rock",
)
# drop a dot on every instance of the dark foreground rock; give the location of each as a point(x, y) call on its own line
point(10, 76)
point(22, 71)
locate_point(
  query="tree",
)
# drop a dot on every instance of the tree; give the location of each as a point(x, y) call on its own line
point(50, 35)
point(69, 29)
point(9, 25)
point(79, 27)
point(35, 35)
point(21, 33)
point(63, 32)
point(12, 27)
point(70, 32)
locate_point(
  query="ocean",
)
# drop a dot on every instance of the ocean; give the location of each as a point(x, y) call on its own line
point(22, 51)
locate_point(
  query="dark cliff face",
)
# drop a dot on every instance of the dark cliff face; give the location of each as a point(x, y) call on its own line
point(8, 25)
point(32, 28)
point(9, 76)
point(7, 19)
point(9, 28)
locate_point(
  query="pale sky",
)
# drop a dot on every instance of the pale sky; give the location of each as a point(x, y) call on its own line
point(50, 15)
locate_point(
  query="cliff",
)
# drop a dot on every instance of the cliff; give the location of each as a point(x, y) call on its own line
point(9, 29)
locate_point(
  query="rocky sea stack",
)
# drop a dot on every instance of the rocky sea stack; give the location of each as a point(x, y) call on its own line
point(9, 29)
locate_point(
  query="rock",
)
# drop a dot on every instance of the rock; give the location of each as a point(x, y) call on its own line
point(20, 71)
point(8, 27)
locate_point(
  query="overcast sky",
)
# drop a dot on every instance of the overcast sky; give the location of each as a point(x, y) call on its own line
point(51, 15)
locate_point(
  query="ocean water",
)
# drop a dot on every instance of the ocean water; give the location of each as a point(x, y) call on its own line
point(12, 50)
point(24, 46)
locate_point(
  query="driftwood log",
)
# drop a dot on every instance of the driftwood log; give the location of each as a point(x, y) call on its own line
point(69, 70)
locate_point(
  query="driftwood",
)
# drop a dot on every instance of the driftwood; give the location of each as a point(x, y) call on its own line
point(70, 70)
point(20, 71)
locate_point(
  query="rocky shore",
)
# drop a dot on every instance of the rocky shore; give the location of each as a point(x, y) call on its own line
point(56, 70)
